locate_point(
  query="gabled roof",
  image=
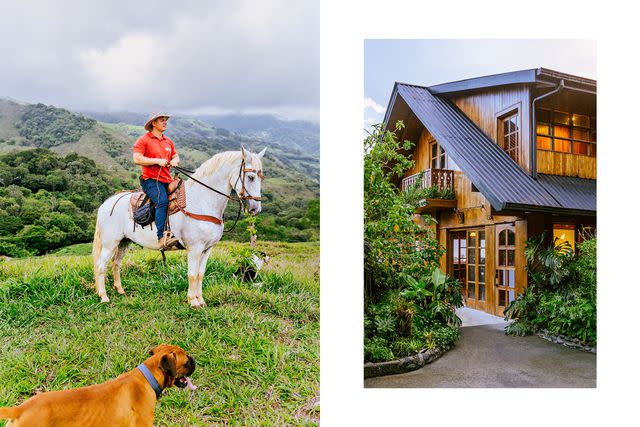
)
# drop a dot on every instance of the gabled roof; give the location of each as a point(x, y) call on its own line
point(538, 76)
point(492, 171)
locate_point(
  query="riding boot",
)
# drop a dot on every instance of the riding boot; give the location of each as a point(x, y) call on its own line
point(168, 241)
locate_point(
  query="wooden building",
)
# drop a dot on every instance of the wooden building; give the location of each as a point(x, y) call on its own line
point(519, 149)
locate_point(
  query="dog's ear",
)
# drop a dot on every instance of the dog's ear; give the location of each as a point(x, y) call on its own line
point(168, 364)
point(155, 349)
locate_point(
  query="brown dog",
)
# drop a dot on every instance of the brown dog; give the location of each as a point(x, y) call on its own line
point(128, 400)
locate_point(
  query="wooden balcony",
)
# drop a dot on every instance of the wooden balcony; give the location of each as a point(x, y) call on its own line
point(442, 179)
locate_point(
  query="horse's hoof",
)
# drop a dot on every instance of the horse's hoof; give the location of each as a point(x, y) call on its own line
point(121, 291)
point(201, 301)
point(195, 304)
point(104, 298)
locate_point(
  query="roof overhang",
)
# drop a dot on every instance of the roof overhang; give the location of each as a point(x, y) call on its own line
point(540, 77)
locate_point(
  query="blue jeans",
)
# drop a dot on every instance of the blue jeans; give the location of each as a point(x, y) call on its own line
point(157, 192)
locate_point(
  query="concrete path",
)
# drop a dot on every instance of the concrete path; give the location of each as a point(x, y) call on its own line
point(486, 357)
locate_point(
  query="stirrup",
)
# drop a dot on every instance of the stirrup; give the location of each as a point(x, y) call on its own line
point(168, 241)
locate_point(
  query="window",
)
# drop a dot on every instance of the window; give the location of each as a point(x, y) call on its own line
point(564, 132)
point(564, 233)
point(506, 268)
point(438, 156)
point(469, 258)
point(509, 138)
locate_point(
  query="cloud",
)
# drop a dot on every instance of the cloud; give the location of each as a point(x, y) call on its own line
point(149, 55)
point(122, 71)
point(370, 103)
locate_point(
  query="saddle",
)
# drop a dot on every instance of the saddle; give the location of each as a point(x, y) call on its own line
point(141, 207)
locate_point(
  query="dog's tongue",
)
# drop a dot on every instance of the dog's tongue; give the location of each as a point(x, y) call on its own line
point(190, 384)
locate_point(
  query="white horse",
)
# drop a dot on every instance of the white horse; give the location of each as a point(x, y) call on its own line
point(232, 170)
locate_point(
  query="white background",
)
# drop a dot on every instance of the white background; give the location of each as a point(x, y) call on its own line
point(344, 26)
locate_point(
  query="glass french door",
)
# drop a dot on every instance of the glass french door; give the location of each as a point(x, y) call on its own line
point(505, 267)
point(469, 259)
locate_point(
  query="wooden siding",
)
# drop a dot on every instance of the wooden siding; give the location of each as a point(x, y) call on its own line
point(421, 154)
point(469, 202)
point(566, 164)
point(483, 109)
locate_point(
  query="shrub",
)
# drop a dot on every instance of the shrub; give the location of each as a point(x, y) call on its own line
point(409, 303)
point(390, 235)
point(561, 297)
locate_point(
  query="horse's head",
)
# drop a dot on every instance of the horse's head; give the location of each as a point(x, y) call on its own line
point(249, 182)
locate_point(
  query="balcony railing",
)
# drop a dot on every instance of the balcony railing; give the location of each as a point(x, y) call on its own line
point(440, 178)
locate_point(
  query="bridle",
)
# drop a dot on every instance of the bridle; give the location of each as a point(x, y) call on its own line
point(243, 173)
point(242, 196)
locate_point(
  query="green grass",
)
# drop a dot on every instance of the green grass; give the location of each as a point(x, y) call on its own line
point(77, 249)
point(256, 345)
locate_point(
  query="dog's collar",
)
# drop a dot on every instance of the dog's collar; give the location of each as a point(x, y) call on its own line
point(152, 380)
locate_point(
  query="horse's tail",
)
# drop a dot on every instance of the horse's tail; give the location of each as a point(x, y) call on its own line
point(97, 248)
point(10, 413)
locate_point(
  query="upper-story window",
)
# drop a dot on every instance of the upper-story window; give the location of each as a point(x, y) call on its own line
point(438, 157)
point(509, 137)
point(565, 132)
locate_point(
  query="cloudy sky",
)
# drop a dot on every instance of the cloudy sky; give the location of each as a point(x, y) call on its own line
point(429, 62)
point(192, 56)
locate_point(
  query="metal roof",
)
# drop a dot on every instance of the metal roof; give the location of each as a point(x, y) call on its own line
point(492, 171)
point(534, 75)
point(522, 76)
point(572, 193)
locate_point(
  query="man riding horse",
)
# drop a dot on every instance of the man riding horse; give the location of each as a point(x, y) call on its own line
point(156, 154)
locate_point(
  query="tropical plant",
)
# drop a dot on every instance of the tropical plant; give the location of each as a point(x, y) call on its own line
point(437, 296)
point(393, 242)
point(561, 296)
point(409, 303)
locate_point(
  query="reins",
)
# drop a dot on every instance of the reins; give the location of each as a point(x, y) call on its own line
point(185, 173)
point(242, 197)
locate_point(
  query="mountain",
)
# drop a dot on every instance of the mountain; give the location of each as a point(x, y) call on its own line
point(296, 134)
point(294, 144)
point(292, 175)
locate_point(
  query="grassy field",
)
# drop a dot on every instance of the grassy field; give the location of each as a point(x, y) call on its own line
point(256, 345)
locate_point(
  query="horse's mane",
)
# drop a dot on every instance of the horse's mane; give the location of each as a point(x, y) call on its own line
point(212, 165)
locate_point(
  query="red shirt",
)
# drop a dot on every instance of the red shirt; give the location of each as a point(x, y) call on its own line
point(150, 146)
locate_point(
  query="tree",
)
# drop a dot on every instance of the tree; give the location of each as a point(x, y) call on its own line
point(409, 303)
point(394, 243)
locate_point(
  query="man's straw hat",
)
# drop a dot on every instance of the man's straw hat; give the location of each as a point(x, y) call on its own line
point(152, 117)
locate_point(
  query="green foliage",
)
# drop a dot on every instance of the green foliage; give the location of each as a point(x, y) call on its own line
point(243, 255)
point(256, 348)
point(561, 297)
point(49, 201)
point(393, 242)
point(292, 175)
point(434, 192)
point(47, 126)
point(386, 334)
point(409, 303)
point(436, 297)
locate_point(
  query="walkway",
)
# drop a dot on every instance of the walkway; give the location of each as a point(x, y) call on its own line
point(486, 357)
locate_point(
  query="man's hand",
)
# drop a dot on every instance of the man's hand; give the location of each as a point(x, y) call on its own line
point(175, 161)
point(162, 162)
